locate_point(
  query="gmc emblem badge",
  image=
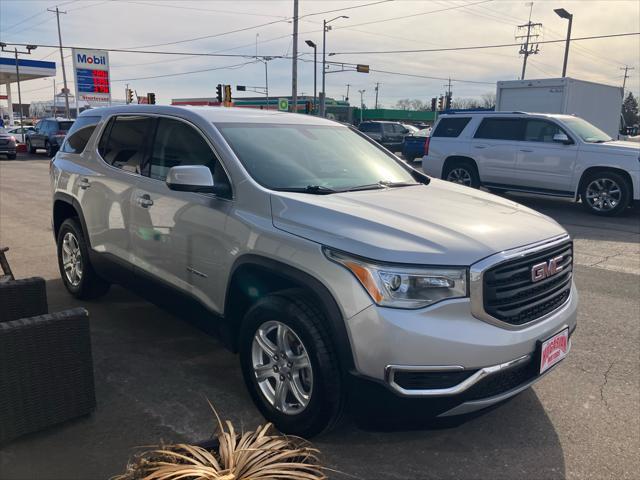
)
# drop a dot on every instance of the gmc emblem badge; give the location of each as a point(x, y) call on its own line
point(543, 270)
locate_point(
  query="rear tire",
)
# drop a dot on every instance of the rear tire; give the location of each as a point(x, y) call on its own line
point(30, 148)
point(51, 151)
point(463, 173)
point(76, 271)
point(605, 193)
point(322, 402)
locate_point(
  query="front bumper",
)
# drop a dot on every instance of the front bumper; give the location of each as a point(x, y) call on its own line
point(5, 149)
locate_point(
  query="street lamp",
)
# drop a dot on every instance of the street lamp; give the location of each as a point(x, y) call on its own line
point(315, 73)
point(361, 103)
point(325, 29)
point(562, 13)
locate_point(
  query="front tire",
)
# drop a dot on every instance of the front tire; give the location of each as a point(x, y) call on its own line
point(605, 193)
point(11, 156)
point(76, 271)
point(462, 173)
point(31, 148)
point(289, 364)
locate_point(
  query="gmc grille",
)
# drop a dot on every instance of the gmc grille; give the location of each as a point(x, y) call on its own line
point(510, 294)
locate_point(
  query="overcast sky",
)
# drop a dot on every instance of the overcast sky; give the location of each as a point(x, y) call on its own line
point(426, 25)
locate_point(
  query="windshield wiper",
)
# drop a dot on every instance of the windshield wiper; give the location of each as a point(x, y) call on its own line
point(398, 184)
point(313, 189)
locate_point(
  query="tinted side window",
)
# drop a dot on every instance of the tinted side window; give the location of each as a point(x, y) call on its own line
point(541, 131)
point(177, 143)
point(501, 129)
point(369, 127)
point(125, 142)
point(79, 134)
point(388, 127)
point(451, 127)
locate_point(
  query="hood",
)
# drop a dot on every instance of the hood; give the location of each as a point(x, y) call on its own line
point(620, 147)
point(440, 223)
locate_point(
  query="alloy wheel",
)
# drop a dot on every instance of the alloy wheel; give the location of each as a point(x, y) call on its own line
point(460, 175)
point(603, 194)
point(282, 367)
point(72, 259)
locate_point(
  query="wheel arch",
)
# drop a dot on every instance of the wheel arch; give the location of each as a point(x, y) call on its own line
point(253, 276)
point(602, 168)
point(65, 206)
point(458, 158)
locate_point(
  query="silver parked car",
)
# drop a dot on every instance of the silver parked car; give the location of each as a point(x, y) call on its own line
point(300, 238)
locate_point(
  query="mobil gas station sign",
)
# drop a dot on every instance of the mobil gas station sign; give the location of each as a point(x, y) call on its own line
point(91, 68)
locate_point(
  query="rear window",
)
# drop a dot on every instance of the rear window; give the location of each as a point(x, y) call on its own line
point(64, 126)
point(369, 127)
point(79, 134)
point(451, 127)
point(501, 129)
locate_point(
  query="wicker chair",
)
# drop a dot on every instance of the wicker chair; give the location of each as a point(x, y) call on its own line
point(46, 368)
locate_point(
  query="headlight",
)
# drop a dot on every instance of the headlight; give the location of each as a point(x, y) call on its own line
point(404, 287)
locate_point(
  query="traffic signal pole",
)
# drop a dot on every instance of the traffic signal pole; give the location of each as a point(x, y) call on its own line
point(64, 73)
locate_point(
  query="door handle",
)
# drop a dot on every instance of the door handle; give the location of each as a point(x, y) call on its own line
point(84, 183)
point(526, 151)
point(144, 201)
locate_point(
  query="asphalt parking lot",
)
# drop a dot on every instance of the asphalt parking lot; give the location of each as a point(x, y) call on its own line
point(154, 373)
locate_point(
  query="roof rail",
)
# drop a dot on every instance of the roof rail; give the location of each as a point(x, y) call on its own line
point(486, 112)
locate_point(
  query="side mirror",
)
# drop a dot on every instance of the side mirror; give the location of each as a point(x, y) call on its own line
point(562, 138)
point(191, 178)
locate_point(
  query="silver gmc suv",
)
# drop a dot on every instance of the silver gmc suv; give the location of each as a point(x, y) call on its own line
point(344, 279)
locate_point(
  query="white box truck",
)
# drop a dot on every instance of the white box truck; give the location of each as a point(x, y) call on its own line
point(597, 103)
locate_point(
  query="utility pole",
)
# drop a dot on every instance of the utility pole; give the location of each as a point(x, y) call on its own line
point(530, 45)
point(346, 99)
point(377, 88)
point(294, 61)
point(626, 69)
point(64, 73)
point(361, 103)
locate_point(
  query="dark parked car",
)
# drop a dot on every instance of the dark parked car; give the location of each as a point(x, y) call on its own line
point(7, 144)
point(413, 145)
point(388, 134)
point(49, 134)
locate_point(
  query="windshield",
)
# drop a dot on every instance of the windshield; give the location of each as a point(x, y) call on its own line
point(64, 126)
point(329, 158)
point(586, 131)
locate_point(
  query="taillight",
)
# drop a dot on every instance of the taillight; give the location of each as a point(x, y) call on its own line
point(60, 133)
point(426, 145)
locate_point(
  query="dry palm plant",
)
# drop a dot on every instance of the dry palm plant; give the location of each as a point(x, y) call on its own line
point(262, 454)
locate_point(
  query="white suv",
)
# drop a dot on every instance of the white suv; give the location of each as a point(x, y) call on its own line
point(549, 154)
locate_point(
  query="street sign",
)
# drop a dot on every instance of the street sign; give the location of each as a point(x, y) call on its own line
point(91, 68)
point(283, 104)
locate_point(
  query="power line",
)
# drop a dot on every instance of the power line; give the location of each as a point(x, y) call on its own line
point(184, 7)
point(479, 47)
point(239, 65)
point(410, 16)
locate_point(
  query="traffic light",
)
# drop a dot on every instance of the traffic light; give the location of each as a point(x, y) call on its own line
point(151, 98)
point(129, 95)
point(448, 102)
point(219, 93)
point(227, 94)
point(440, 103)
point(433, 104)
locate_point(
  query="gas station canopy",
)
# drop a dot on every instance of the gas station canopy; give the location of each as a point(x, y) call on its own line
point(29, 69)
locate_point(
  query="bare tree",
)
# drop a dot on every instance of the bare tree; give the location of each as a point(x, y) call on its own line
point(488, 100)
